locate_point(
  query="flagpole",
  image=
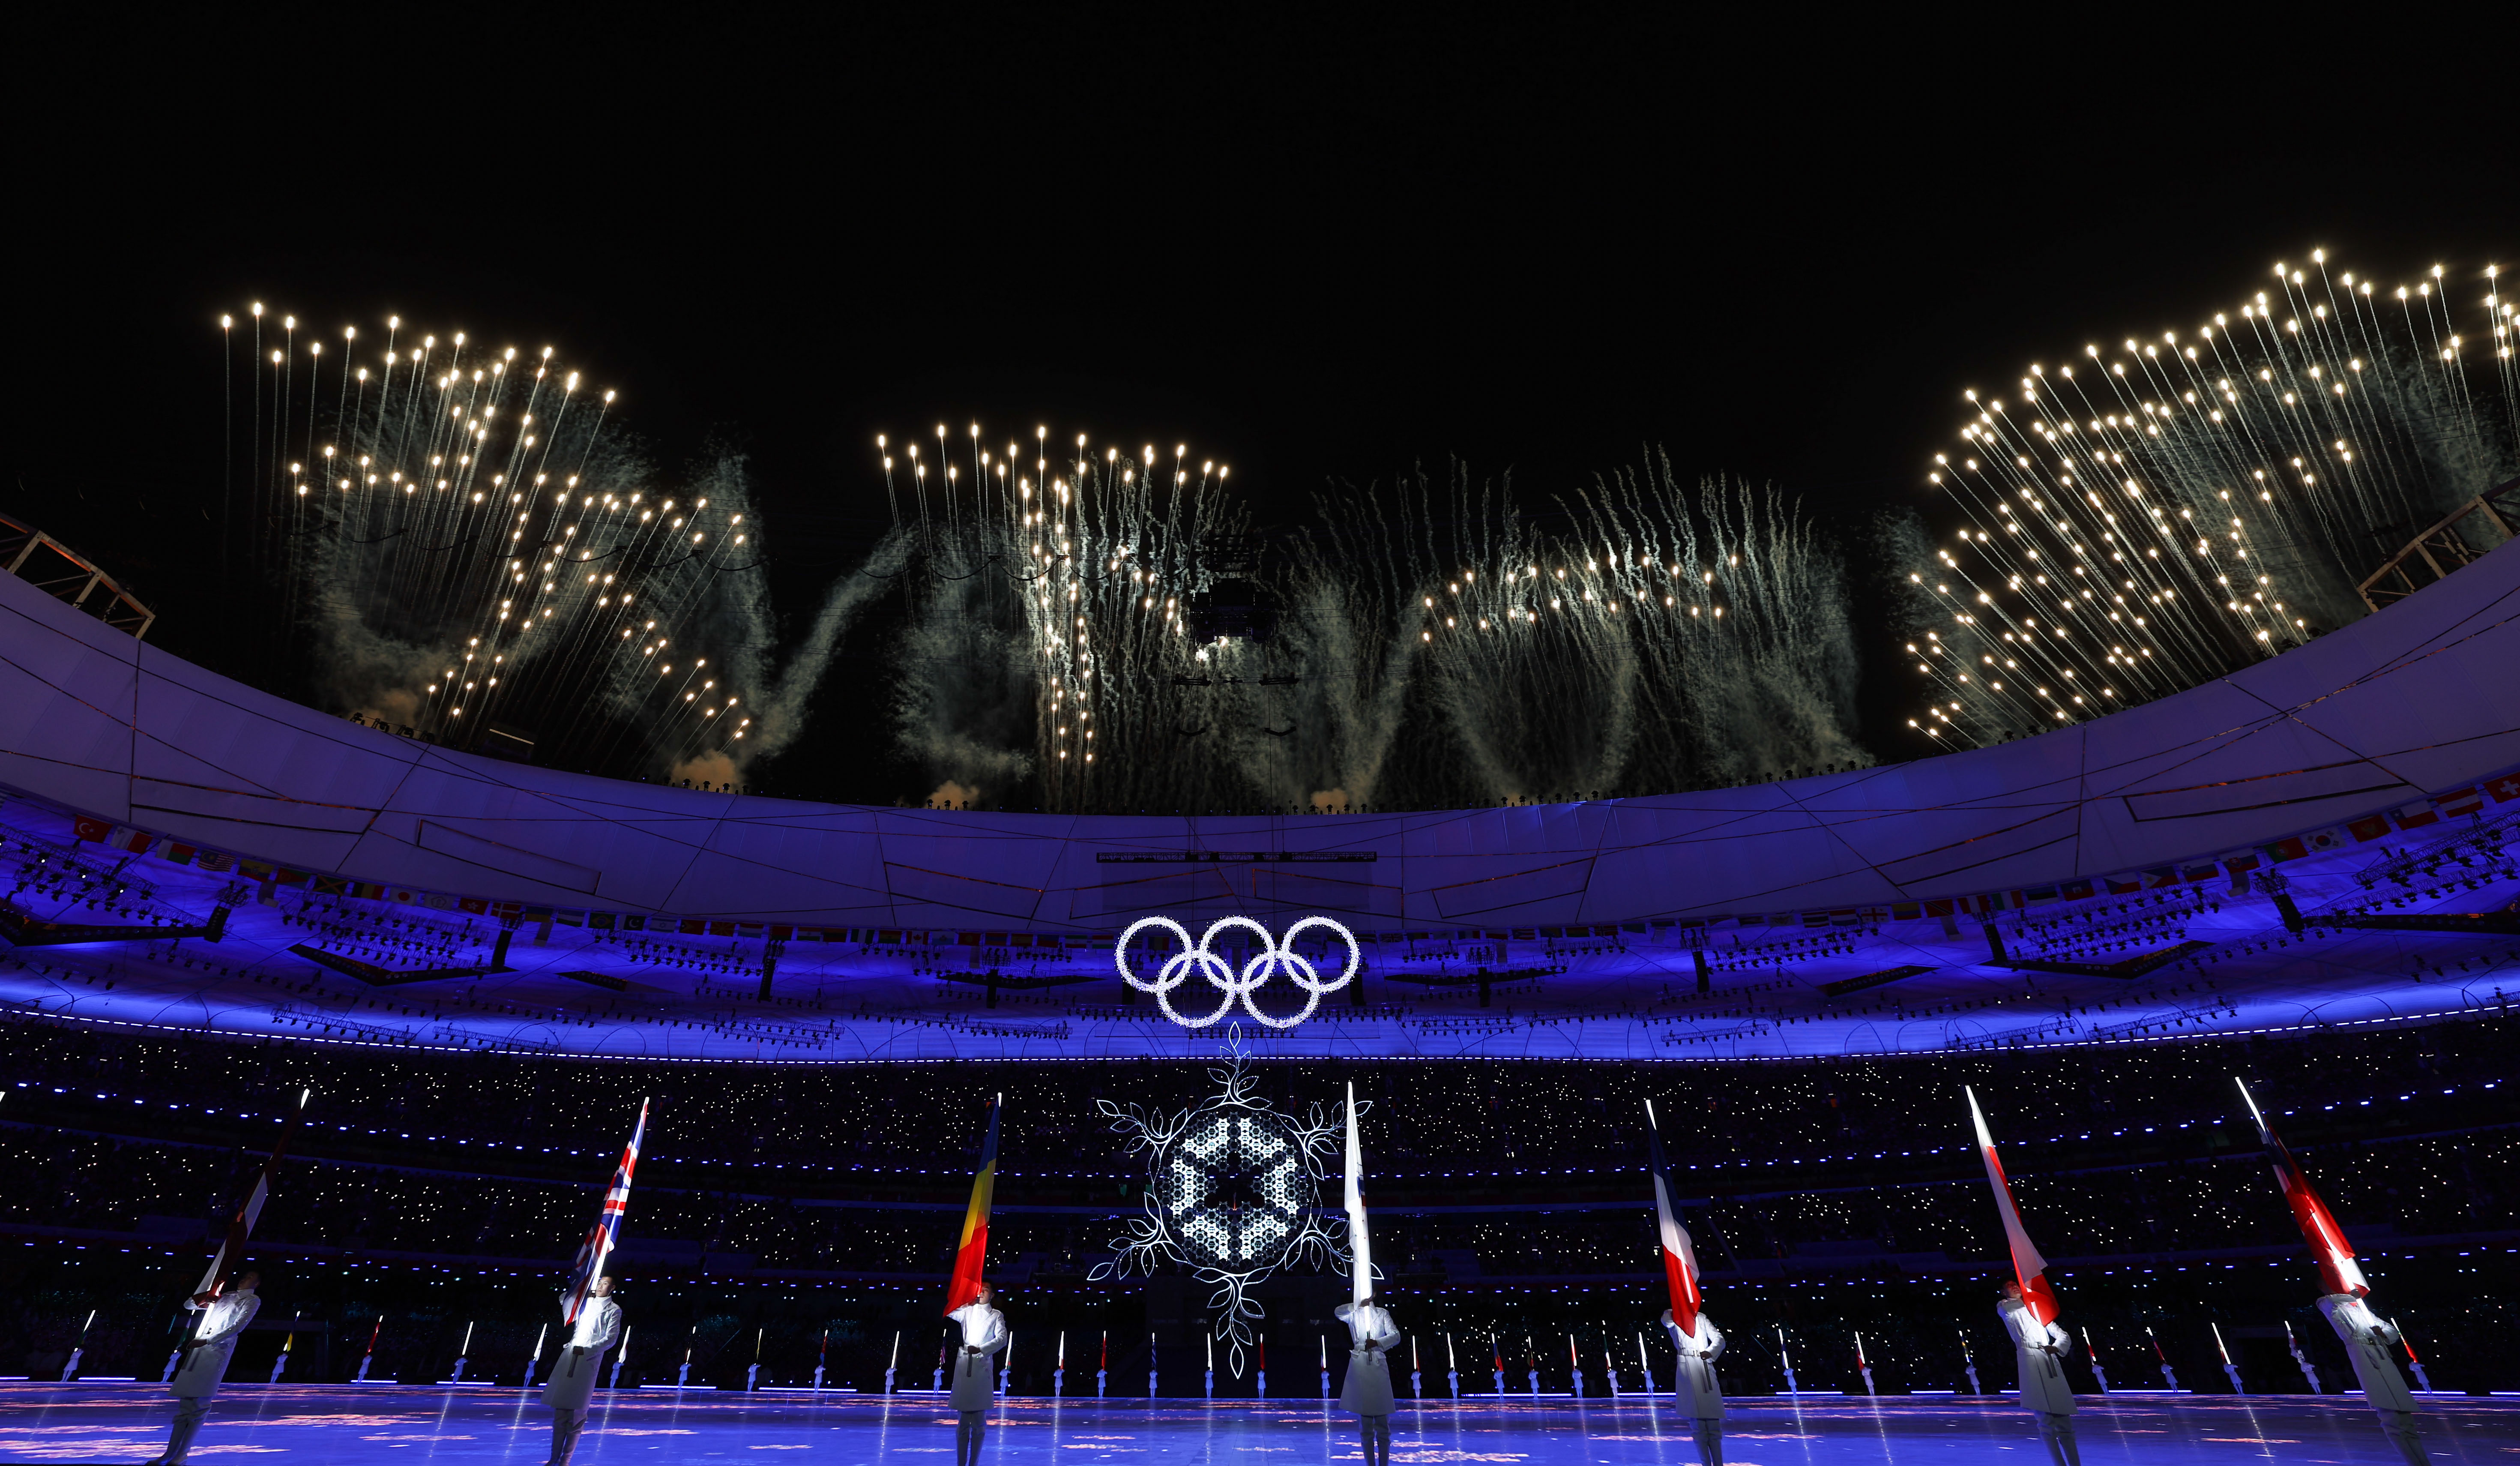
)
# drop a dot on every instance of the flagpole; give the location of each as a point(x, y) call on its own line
point(970, 1253)
point(222, 1266)
point(588, 1264)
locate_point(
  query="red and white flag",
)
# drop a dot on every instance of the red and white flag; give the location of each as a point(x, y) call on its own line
point(2459, 802)
point(249, 1212)
point(2028, 1267)
point(1679, 1256)
point(588, 1264)
point(2337, 1270)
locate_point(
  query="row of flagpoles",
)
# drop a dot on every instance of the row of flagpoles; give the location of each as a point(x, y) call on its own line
point(2333, 1253)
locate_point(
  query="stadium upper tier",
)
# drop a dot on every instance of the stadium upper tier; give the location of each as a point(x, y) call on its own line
point(2132, 874)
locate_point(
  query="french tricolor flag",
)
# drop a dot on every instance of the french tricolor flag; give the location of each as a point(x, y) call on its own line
point(600, 1237)
point(2028, 1267)
point(1679, 1256)
point(2337, 1270)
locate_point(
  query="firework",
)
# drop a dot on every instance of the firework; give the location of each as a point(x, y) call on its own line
point(1051, 617)
point(475, 555)
point(2158, 513)
point(1104, 625)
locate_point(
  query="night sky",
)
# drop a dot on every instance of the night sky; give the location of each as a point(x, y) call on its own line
point(1313, 252)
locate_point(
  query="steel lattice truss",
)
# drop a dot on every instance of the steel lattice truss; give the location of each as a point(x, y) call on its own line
point(1232, 1193)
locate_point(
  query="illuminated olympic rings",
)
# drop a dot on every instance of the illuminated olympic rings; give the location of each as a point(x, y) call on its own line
point(1272, 956)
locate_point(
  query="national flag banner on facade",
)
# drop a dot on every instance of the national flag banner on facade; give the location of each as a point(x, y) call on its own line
point(2337, 1270)
point(2285, 849)
point(2369, 828)
point(178, 855)
point(1679, 1256)
point(972, 1254)
point(332, 886)
point(92, 830)
point(2505, 790)
point(2078, 890)
point(2417, 815)
point(369, 891)
point(2240, 864)
point(125, 838)
point(2161, 875)
point(216, 860)
point(2029, 1269)
point(1906, 910)
point(1941, 908)
point(2458, 802)
point(2128, 884)
point(601, 1238)
point(2317, 842)
point(2193, 871)
point(473, 905)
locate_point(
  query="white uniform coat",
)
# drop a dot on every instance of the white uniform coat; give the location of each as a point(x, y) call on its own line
point(1368, 1388)
point(574, 1373)
point(976, 1376)
point(1700, 1391)
point(2038, 1351)
point(2368, 1339)
point(205, 1365)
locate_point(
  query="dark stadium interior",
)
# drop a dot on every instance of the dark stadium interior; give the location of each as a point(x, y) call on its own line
point(784, 1202)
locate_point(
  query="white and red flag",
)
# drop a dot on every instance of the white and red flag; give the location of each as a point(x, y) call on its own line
point(588, 1265)
point(1679, 1256)
point(2028, 1267)
point(250, 1211)
point(1360, 1241)
point(2337, 1269)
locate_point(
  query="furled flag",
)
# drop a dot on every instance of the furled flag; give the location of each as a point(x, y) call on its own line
point(1360, 1244)
point(974, 1254)
point(2337, 1271)
point(1679, 1256)
point(250, 1211)
point(588, 1265)
point(2028, 1267)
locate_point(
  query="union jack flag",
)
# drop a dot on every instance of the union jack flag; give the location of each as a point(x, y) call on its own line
point(599, 1238)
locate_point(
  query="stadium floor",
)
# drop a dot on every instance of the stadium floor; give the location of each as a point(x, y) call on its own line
point(125, 1423)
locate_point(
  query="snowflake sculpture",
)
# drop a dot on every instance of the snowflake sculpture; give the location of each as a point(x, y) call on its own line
point(1232, 1193)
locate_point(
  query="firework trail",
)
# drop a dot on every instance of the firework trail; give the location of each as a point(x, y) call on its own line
point(1422, 643)
point(477, 555)
point(1663, 636)
point(1049, 609)
point(2156, 516)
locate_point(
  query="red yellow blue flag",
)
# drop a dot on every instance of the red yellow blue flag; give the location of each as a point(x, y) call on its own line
point(972, 1257)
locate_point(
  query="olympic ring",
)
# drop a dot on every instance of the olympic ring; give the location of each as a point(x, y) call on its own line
point(1273, 955)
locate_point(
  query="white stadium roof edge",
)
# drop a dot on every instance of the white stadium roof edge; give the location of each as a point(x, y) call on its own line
point(2419, 698)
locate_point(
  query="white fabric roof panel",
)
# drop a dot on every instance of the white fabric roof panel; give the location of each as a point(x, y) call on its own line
point(2418, 699)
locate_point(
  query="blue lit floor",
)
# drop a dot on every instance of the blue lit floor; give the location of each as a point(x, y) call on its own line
point(127, 1424)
